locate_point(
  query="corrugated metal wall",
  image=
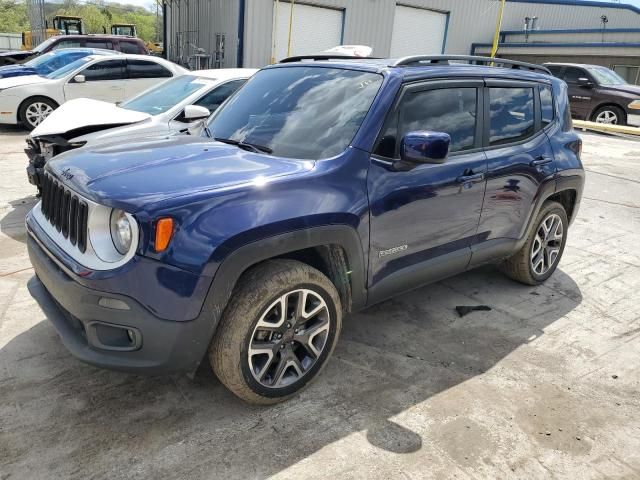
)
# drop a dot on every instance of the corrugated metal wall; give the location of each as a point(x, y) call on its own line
point(370, 22)
point(193, 24)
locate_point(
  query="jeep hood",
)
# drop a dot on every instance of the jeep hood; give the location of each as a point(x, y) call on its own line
point(16, 71)
point(133, 176)
point(82, 115)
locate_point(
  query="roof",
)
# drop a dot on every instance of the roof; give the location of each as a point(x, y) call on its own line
point(415, 72)
point(225, 73)
point(566, 64)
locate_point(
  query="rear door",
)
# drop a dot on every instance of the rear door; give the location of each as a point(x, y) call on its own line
point(424, 217)
point(143, 74)
point(519, 157)
point(104, 80)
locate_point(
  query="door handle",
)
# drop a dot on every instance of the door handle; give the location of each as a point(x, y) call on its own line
point(474, 178)
point(541, 160)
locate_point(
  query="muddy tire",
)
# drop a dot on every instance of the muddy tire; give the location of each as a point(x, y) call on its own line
point(539, 256)
point(277, 332)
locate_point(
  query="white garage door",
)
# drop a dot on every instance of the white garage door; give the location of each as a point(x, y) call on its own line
point(314, 29)
point(417, 32)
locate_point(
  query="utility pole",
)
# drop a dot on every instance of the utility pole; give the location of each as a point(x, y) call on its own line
point(496, 36)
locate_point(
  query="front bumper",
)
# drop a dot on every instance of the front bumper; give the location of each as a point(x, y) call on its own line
point(115, 331)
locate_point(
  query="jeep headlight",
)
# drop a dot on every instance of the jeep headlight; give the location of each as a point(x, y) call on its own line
point(635, 105)
point(121, 231)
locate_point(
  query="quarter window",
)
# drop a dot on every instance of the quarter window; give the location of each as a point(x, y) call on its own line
point(448, 110)
point(106, 70)
point(546, 105)
point(512, 117)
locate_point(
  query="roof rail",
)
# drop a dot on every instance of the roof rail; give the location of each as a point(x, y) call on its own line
point(419, 60)
point(323, 56)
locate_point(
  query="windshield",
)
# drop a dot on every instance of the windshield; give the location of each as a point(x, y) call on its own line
point(605, 76)
point(167, 95)
point(52, 61)
point(44, 44)
point(67, 69)
point(298, 112)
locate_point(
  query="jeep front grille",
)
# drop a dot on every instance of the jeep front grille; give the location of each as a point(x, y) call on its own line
point(65, 211)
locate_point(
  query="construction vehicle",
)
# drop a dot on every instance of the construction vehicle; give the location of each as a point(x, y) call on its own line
point(127, 29)
point(62, 25)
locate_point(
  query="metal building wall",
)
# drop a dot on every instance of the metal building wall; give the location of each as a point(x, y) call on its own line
point(194, 24)
point(370, 22)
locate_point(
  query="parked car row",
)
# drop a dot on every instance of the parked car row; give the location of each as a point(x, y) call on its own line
point(321, 186)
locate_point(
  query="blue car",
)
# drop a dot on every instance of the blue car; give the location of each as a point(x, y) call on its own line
point(50, 62)
point(323, 186)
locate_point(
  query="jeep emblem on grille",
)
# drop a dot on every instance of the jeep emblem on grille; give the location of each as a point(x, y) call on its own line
point(66, 174)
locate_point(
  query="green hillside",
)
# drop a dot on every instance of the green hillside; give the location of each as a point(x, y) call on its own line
point(96, 16)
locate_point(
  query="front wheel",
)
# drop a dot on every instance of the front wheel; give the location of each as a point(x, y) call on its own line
point(539, 256)
point(609, 114)
point(33, 111)
point(277, 332)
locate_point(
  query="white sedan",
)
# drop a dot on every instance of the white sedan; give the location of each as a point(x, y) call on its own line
point(171, 107)
point(29, 100)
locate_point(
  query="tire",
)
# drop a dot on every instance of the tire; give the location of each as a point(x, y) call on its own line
point(268, 373)
point(524, 266)
point(609, 114)
point(34, 110)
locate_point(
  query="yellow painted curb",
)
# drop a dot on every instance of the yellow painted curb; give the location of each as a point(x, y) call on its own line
point(605, 127)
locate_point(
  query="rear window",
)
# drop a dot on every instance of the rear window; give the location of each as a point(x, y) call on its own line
point(512, 118)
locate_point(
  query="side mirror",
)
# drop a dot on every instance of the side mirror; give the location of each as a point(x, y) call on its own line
point(585, 82)
point(79, 79)
point(195, 112)
point(425, 147)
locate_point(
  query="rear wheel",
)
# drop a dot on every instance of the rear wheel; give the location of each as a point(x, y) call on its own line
point(277, 331)
point(34, 110)
point(539, 256)
point(609, 114)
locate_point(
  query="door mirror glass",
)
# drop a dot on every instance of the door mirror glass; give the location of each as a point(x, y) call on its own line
point(425, 147)
point(195, 112)
point(585, 82)
point(79, 79)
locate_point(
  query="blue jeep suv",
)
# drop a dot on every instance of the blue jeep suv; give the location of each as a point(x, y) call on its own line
point(323, 186)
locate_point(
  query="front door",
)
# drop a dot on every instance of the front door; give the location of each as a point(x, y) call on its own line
point(580, 97)
point(103, 80)
point(424, 217)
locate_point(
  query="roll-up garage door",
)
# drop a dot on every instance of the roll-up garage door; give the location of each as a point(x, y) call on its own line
point(314, 29)
point(417, 31)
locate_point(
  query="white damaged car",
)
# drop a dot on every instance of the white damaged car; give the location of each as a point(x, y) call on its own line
point(170, 107)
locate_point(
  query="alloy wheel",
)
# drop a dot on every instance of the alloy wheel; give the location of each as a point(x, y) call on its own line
point(37, 112)
point(547, 244)
point(289, 338)
point(607, 116)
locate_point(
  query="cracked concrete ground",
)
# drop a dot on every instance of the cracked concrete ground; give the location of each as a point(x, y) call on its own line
point(545, 385)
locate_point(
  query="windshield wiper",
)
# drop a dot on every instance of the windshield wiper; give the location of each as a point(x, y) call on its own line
point(245, 146)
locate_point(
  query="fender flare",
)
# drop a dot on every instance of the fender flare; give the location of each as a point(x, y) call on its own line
point(239, 260)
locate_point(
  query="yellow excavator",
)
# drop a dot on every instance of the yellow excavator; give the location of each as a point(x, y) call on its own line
point(62, 25)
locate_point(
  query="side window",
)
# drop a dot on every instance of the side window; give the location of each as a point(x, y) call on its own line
point(546, 105)
point(130, 47)
point(145, 69)
point(572, 74)
point(105, 70)
point(67, 43)
point(215, 97)
point(449, 110)
point(512, 117)
point(98, 43)
point(554, 69)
